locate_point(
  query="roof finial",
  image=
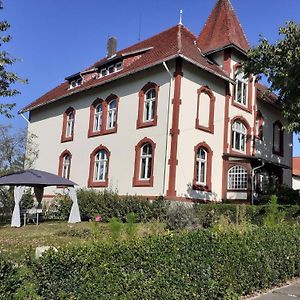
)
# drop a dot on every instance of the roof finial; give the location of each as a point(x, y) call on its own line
point(180, 17)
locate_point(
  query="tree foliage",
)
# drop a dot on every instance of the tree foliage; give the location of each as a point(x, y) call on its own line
point(7, 78)
point(18, 150)
point(280, 62)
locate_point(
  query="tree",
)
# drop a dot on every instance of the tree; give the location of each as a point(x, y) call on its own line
point(7, 79)
point(18, 151)
point(280, 63)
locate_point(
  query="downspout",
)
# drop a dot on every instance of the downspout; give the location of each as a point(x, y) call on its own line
point(167, 131)
point(252, 181)
point(25, 118)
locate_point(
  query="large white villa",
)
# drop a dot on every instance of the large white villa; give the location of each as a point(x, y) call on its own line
point(171, 115)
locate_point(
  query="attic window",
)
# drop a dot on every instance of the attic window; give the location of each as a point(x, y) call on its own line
point(75, 83)
point(111, 69)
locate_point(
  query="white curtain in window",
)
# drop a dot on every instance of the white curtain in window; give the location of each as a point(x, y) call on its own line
point(16, 219)
point(74, 216)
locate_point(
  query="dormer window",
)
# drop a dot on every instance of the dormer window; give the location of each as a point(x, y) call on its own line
point(118, 66)
point(75, 83)
point(111, 69)
point(103, 72)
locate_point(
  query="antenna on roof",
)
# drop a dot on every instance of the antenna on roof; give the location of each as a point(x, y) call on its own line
point(180, 17)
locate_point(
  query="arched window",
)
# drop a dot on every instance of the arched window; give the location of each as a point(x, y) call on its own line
point(278, 138)
point(98, 117)
point(205, 109)
point(147, 111)
point(241, 88)
point(202, 167)
point(99, 166)
point(144, 163)
point(68, 125)
point(237, 178)
point(149, 105)
point(239, 135)
point(111, 114)
point(64, 167)
point(103, 116)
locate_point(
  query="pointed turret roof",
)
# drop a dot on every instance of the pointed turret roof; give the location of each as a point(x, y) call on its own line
point(222, 29)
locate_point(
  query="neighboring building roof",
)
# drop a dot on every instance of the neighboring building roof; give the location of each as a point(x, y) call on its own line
point(222, 29)
point(177, 41)
point(264, 94)
point(296, 166)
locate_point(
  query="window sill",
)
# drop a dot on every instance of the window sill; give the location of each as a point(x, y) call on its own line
point(102, 132)
point(66, 139)
point(142, 183)
point(98, 184)
point(209, 129)
point(140, 124)
point(200, 187)
point(242, 107)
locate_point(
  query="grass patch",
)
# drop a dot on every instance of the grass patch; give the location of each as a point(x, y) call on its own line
point(15, 243)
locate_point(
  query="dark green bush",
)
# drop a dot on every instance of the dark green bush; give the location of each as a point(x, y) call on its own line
point(109, 204)
point(285, 195)
point(193, 265)
point(181, 216)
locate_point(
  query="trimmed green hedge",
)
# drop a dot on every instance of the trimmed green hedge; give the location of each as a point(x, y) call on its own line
point(203, 264)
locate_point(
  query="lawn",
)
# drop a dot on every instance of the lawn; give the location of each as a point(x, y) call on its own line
point(15, 243)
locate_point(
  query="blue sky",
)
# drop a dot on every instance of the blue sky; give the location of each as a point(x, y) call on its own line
point(56, 38)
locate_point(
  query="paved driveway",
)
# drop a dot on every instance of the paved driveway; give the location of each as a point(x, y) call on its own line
point(289, 292)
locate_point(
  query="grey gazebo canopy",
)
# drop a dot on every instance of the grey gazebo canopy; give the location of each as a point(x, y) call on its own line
point(38, 180)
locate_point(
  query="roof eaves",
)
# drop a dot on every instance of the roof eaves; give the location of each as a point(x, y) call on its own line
point(226, 47)
point(101, 83)
point(226, 78)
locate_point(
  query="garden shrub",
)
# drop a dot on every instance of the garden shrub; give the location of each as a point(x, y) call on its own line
point(108, 204)
point(199, 264)
point(181, 216)
point(285, 195)
point(209, 214)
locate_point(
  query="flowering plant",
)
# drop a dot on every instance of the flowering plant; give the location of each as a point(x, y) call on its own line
point(98, 218)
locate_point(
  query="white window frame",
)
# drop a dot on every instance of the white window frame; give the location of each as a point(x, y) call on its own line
point(103, 70)
point(145, 162)
point(101, 162)
point(70, 124)
point(118, 66)
point(239, 136)
point(113, 69)
point(237, 178)
point(201, 164)
point(75, 83)
point(98, 118)
point(241, 82)
point(111, 115)
point(66, 166)
point(149, 114)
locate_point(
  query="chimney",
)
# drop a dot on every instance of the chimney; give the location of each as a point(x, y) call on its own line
point(111, 46)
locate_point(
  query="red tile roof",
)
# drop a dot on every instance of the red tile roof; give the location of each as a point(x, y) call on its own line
point(177, 41)
point(296, 166)
point(264, 94)
point(222, 29)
